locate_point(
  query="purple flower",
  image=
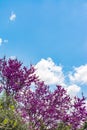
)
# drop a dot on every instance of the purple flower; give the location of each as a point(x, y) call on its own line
point(40, 107)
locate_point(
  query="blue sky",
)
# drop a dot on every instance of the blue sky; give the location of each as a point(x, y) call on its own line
point(33, 30)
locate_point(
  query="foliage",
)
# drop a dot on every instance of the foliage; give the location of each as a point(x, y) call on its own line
point(9, 119)
point(38, 108)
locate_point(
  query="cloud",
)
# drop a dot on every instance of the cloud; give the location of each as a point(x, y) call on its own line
point(79, 75)
point(73, 89)
point(53, 74)
point(12, 16)
point(3, 41)
point(49, 72)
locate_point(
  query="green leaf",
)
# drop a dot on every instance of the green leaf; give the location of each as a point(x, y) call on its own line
point(5, 121)
point(15, 124)
point(12, 107)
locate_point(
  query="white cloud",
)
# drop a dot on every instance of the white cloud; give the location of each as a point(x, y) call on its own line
point(1, 41)
point(53, 74)
point(79, 75)
point(12, 16)
point(73, 89)
point(49, 72)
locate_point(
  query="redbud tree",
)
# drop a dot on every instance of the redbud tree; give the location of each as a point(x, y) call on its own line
point(38, 106)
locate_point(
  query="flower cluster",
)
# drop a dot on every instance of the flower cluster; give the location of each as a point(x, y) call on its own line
point(43, 107)
point(38, 106)
point(14, 77)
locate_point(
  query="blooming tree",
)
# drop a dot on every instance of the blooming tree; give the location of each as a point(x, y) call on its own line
point(39, 107)
point(42, 107)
